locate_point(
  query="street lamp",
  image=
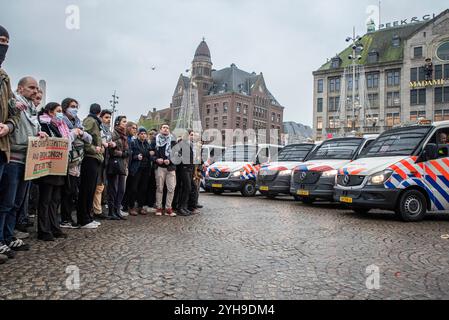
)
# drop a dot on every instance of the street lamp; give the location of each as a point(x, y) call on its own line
point(114, 102)
point(357, 49)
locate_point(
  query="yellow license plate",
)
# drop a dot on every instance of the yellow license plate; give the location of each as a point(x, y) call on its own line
point(346, 199)
point(218, 186)
point(303, 193)
point(264, 189)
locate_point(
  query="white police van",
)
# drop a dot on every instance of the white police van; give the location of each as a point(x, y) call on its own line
point(406, 170)
point(239, 168)
point(315, 179)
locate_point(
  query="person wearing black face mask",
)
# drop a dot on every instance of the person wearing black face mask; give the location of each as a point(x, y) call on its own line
point(9, 120)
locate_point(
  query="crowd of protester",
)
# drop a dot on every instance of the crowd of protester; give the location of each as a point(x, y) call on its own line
point(115, 170)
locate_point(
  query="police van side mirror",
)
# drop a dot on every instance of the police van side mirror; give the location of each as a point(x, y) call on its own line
point(430, 153)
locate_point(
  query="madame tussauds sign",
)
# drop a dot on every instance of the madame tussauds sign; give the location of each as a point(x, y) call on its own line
point(428, 83)
point(46, 157)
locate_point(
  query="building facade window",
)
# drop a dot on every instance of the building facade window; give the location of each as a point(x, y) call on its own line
point(442, 95)
point(438, 71)
point(373, 99)
point(393, 99)
point(225, 107)
point(418, 52)
point(417, 74)
point(216, 108)
point(416, 115)
point(417, 97)
point(238, 108)
point(320, 86)
point(225, 121)
point(372, 80)
point(273, 117)
point(245, 109)
point(443, 51)
point(216, 122)
point(319, 123)
point(393, 78)
point(333, 122)
point(334, 104)
point(393, 119)
point(279, 118)
point(334, 84)
point(350, 82)
point(208, 109)
point(442, 115)
point(237, 122)
point(319, 105)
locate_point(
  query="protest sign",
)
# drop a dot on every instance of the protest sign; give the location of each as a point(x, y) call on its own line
point(46, 157)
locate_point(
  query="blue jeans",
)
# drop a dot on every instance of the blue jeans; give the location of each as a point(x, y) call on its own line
point(12, 195)
point(22, 209)
point(2, 166)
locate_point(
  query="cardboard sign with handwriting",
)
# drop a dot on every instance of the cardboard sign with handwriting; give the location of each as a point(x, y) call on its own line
point(46, 157)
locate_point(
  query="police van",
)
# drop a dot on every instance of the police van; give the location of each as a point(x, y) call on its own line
point(209, 155)
point(239, 168)
point(274, 178)
point(406, 170)
point(315, 179)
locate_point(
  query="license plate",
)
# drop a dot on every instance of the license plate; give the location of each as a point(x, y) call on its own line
point(346, 199)
point(218, 186)
point(303, 193)
point(264, 189)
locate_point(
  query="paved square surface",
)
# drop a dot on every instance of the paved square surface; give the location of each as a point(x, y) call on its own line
point(240, 248)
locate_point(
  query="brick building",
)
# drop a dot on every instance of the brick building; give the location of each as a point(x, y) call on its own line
point(229, 98)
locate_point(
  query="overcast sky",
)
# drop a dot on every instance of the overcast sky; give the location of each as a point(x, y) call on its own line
point(119, 41)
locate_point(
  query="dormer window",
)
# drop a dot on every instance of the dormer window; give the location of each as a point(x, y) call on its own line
point(373, 57)
point(336, 62)
point(396, 41)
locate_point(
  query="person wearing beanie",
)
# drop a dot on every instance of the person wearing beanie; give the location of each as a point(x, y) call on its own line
point(139, 174)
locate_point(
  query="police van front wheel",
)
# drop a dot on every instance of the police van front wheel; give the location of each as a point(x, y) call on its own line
point(249, 189)
point(412, 206)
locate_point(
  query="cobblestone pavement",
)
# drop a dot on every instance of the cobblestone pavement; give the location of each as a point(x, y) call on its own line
point(240, 249)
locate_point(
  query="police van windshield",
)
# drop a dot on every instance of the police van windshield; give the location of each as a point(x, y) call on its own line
point(241, 153)
point(401, 142)
point(295, 153)
point(337, 150)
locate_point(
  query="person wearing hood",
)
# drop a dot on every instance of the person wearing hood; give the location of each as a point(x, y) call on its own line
point(8, 123)
point(76, 155)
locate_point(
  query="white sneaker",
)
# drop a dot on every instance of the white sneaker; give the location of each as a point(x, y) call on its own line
point(91, 225)
point(124, 214)
point(97, 223)
point(149, 210)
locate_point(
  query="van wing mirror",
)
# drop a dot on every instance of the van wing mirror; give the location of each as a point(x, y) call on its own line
point(430, 152)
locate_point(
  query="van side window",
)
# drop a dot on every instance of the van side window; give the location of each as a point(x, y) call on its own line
point(441, 138)
point(263, 155)
point(366, 146)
